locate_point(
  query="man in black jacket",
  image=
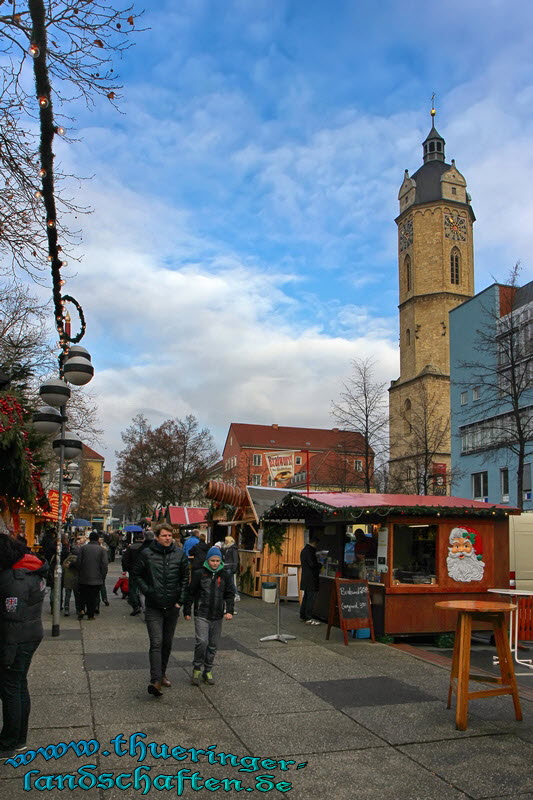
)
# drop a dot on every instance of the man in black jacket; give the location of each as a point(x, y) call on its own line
point(309, 580)
point(162, 575)
point(22, 588)
point(129, 559)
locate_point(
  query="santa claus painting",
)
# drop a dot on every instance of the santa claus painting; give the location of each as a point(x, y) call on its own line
point(462, 562)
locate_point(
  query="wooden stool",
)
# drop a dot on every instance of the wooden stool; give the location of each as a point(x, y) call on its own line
point(493, 613)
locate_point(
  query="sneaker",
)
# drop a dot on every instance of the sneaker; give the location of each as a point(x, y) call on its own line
point(154, 688)
point(165, 682)
point(237, 598)
point(135, 612)
point(106, 602)
point(196, 675)
point(314, 622)
point(208, 678)
point(5, 754)
point(67, 613)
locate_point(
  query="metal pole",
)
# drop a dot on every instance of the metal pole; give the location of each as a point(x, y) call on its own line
point(58, 571)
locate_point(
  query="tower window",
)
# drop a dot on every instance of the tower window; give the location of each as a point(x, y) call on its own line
point(408, 336)
point(439, 146)
point(407, 263)
point(455, 262)
point(454, 189)
point(432, 147)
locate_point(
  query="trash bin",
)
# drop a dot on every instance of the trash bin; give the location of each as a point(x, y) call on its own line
point(269, 591)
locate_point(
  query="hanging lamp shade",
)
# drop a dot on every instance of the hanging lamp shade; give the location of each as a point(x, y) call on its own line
point(71, 443)
point(54, 392)
point(78, 370)
point(47, 420)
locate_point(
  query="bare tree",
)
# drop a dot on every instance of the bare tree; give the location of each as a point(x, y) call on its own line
point(362, 408)
point(133, 487)
point(165, 465)
point(90, 498)
point(425, 440)
point(503, 377)
point(71, 43)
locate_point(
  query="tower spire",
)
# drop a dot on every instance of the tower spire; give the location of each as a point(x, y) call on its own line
point(434, 144)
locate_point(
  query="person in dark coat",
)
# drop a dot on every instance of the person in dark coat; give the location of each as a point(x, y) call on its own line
point(92, 571)
point(129, 560)
point(212, 591)
point(162, 575)
point(230, 557)
point(22, 588)
point(198, 553)
point(309, 580)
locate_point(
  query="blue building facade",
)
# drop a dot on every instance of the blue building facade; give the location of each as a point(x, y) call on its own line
point(483, 467)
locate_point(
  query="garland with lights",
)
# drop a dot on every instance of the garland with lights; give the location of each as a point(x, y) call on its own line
point(295, 505)
point(19, 472)
point(38, 50)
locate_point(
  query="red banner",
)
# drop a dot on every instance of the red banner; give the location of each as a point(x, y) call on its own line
point(53, 499)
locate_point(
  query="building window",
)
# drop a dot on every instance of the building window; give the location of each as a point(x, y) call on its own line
point(475, 393)
point(526, 481)
point(455, 260)
point(257, 459)
point(464, 398)
point(480, 486)
point(256, 479)
point(407, 263)
point(358, 465)
point(432, 147)
point(454, 190)
point(504, 484)
point(414, 550)
point(408, 336)
point(271, 481)
point(298, 461)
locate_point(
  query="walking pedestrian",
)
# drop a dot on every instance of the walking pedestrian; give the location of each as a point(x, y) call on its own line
point(212, 591)
point(129, 559)
point(198, 553)
point(191, 542)
point(162, 575)
point(22, 588)
point(103, 589)
point(71, 583)
point(92, 571)
point(123, 585)
point(309, 580)
point(230, 557)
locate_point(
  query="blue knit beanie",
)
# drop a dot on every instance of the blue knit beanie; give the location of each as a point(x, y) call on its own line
point(213, 551)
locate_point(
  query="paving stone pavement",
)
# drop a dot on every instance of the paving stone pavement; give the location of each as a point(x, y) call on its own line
point(362, 722)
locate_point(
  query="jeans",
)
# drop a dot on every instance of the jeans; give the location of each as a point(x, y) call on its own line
point(77, 600)
point(16, 697)
point(308, 601)
point(134, 597)
point(207, 632)
point(161, 624)
point(89, 598)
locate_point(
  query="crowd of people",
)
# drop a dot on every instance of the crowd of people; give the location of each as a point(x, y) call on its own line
point(160, 576)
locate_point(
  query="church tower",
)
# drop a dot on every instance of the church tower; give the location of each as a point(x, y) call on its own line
point(436, 273)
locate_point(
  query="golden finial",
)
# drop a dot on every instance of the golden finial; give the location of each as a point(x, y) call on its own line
point(433, 112)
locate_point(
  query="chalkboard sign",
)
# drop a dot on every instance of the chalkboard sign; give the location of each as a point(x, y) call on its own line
point(350, 607)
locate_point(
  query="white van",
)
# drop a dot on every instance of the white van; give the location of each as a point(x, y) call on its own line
point(521, 550)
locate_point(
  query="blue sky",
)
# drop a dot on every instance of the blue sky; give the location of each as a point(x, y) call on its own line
point(242, 247)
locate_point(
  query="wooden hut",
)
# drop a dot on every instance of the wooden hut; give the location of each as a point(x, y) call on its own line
point(426, 549)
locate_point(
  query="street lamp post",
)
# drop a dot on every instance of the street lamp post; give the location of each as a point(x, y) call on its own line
point(68, 447)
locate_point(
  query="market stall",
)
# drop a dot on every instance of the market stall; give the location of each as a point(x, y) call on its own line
point(422, 550)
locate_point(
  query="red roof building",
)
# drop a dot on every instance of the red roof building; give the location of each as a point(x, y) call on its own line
point(288, 457)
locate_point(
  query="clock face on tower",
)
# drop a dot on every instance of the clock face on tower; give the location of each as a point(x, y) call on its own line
point(406, 234)
point(455, 227)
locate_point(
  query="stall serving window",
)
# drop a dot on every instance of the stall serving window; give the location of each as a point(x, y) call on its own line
point(414, 554)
